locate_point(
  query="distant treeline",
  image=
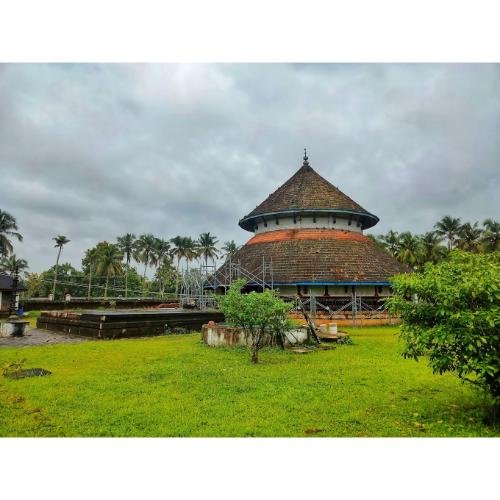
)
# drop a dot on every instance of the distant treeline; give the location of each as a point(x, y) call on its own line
point(433, 246)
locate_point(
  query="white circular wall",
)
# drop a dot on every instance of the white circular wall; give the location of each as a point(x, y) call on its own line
point(308, 222)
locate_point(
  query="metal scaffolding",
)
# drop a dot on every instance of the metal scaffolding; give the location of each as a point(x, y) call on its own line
point(353, 307)
point(200, 285)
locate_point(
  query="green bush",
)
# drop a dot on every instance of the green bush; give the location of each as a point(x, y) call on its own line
point(258, 314)
point(345, 340)
point(450, 312)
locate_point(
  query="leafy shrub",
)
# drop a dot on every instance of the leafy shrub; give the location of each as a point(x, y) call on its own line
point(258, 314)
point(347, 340)
point(451, 313)
point(14, 367)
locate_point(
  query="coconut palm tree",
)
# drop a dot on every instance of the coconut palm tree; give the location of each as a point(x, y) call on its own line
point(469, 237)
point(179, 252)
point(161, 253)
point(432, 250)
point(8, 229)
point(207, 249)
point(60, 242)
point(390, 241)
point(192, 250)
point(13, 265)
point(160, 256)
point(376, 240)
point(491, 235)
point(144, 248)
point(229, 248)
point(109, 263)
point(448, 227)
point(91, 258)
point(410, 250)
point(126, 245)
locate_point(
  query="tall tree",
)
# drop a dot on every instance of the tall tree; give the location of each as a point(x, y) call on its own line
point(8, 229)
point(165, 275)
point(448, 227)
point(432, 250)
point(60, 242)
point(229, 248)
point(109, 263)
point(161, 252)
point(192, 250)
point(410, 249)
point(34, 284)
point(469, 237)
point(126, 246)
point(390, 242)
point(179, 252)
point(161, 257)
point(90, 259)
point(206, 244)
point(144, 249)
point(491, 235)
point(13, 265)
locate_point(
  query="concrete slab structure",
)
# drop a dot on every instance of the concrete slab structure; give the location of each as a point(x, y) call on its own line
point(119, 324)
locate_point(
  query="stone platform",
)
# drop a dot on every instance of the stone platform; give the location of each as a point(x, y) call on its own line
point(125, 323)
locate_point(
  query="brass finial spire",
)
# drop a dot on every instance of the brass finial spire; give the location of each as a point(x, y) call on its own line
point(306, 162)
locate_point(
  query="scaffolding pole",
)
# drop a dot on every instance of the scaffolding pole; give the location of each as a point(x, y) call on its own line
point(198, 286)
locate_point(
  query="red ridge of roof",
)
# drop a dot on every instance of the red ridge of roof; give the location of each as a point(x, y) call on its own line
point(306, 234)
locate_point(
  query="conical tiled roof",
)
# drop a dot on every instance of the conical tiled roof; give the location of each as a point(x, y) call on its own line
point(307, 191)
point(330, 256)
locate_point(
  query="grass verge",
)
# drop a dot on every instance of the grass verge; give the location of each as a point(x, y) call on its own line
point(176, 386)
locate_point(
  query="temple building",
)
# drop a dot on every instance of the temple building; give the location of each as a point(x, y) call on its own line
point(6, 291)
point(308, 240)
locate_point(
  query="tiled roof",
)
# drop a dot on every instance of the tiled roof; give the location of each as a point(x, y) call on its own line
point(6, 283)
point(307, 190)
point(316, 255)
point(306, 234)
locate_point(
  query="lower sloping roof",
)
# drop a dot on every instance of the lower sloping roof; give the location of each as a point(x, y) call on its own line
point(6, 283)
point(319, 256)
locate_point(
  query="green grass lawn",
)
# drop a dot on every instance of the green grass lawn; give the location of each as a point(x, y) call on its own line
point(176, 386)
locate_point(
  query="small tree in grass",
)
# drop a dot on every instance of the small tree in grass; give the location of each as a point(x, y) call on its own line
point(451, 312)
point(258, 314)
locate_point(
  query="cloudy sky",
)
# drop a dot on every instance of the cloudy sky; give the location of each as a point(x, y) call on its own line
point(95, 151)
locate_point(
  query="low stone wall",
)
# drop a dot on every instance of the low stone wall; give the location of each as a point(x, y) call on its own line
point(83, 303)
point(347, 319)
point(122, 324)
point(223, 335)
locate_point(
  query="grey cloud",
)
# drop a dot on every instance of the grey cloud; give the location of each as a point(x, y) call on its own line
point(94, 151)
